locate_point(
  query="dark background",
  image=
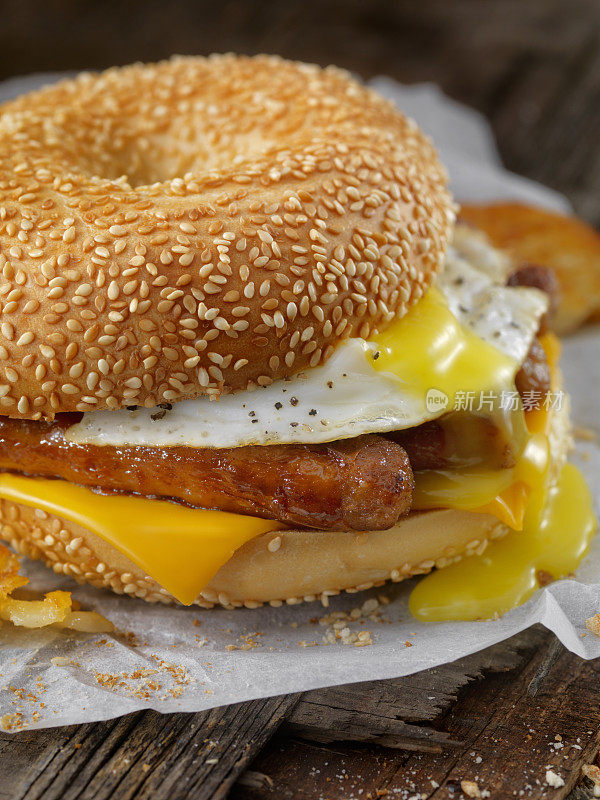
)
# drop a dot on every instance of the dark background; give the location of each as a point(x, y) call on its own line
point(532, 66)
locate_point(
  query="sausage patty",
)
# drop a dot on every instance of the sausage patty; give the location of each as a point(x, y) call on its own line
point(544, 279)
point(533, 380)
point(364, 483)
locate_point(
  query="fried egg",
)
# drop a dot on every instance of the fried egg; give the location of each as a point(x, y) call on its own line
point(468, 334)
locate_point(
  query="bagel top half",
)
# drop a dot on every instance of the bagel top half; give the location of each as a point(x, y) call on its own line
point(201, 226)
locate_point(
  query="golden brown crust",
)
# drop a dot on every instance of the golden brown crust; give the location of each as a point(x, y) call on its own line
point(566, 245)
point(268, 210)
point(277, 567)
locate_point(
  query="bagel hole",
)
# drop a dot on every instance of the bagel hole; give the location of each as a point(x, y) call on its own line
point(159, 162)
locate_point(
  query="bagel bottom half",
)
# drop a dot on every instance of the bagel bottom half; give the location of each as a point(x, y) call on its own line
point(277, 567)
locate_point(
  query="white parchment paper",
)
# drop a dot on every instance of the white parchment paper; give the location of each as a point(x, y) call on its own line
point(186, 659)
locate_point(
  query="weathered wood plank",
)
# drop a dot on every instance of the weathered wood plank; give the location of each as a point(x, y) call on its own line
point(510, 738)
point(384, 712)
point(423, 696)
point(337, 725)
point(145, 755)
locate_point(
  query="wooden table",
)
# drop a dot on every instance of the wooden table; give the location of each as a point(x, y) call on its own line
point(500, 718)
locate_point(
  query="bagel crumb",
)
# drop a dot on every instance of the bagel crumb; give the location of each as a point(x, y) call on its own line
point(593, 624)
point(470, 788)
point(553, 779)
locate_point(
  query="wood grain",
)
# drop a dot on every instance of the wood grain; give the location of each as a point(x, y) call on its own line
point(509, 740)
point(147, 755)
point(385, 712)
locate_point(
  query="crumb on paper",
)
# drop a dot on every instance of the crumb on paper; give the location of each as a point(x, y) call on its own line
point(544, 578)
point(339, 622)
point(131, 640)
point(12, 722)
point(28, 706)
point(248, 642)
point(593, 624)
point(553, 779)
point(148, 682)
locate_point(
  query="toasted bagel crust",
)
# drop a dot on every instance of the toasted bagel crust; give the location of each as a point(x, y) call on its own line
point(203, 225)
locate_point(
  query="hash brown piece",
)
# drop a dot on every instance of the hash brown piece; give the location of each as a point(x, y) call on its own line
point(565, 244)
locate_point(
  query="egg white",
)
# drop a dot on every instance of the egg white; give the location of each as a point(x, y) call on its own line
point(346, 396)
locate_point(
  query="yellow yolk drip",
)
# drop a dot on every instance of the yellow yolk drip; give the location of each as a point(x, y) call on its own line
point(428, 349)
point(181, 548)
point(502, 493)
point(459, 361)
point(556, 523)
point(558, 526)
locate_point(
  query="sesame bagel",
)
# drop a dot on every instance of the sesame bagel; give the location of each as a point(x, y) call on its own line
point(203, 225)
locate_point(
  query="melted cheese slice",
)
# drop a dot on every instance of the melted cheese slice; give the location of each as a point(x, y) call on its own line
point(181, 548)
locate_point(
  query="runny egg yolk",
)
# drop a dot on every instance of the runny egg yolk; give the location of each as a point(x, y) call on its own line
point(553, 524)
point(437, 358)
point(459, 366)
point(558, 527)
